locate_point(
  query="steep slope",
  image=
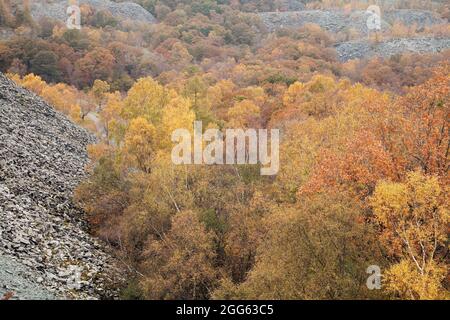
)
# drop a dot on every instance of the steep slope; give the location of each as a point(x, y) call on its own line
point(45, 250)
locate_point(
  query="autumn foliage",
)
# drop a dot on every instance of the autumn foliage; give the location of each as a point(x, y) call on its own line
point(363, 181)
point(364, 152)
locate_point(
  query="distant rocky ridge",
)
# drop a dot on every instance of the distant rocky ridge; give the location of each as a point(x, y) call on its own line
point(365, 49)
point(408, 17)
point(294, 5)
point(339, 21)
point(45, 249)
point(56, 9)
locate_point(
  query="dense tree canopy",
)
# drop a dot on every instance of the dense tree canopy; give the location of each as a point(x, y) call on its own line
point(364, 151)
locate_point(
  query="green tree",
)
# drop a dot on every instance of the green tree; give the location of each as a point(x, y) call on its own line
point(45, 65)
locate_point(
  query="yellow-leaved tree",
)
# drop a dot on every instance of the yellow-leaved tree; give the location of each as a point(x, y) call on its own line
point(414, 216)
point(315, 98)
point(243, 114)
point(140, 141)
point(146, 98)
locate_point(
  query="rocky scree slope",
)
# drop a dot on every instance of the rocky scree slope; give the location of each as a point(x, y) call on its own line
point(364, 49)
point(338, 21)
point(45, 249)
point(121, 10)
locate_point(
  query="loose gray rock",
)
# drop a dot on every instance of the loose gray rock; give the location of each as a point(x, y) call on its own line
point(123, 10)
point(409, 17)
point(43, 236)
point(365, 49)
point(340, 21)
point(18, 279)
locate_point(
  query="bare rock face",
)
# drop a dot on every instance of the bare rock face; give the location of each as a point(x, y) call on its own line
point(364, 49)
point(45, 249)
point(56, 9)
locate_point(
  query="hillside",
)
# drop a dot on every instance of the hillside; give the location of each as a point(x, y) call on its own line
point(123, 10)
point(339, 20)
point(320, 171)
point(43, 238)
point(364, 49)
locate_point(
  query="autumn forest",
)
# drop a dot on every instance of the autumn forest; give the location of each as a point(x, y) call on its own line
point(364, 146)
